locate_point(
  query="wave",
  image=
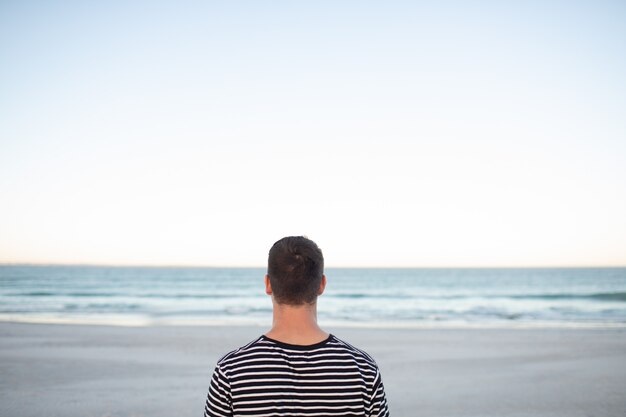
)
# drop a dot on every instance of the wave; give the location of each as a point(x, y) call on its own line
point(119, 294)
point(618, 296)
point(65, 294)
point(603, 296)
point(608, 296)
point(371, 295)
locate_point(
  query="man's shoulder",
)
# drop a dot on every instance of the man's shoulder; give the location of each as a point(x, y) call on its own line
point(359, 353)
point(240, 351)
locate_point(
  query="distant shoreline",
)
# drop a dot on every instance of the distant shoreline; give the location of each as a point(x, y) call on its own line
point(264, 267)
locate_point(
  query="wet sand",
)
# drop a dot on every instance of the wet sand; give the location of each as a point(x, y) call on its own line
point(80, 370)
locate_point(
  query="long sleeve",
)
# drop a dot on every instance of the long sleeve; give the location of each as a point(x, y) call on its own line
point(219, 400)
point(378, 405)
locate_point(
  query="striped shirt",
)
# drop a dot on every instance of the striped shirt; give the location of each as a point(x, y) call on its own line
point(271, 379)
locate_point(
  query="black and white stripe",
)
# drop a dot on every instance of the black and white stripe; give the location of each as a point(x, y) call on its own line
point(273, 379)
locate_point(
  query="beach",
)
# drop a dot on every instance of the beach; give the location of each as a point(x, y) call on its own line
point(158, 371)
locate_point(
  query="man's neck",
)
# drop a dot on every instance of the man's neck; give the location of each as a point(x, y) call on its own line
point(296, 325)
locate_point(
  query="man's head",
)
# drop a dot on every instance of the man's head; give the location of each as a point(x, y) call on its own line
point(295, 268)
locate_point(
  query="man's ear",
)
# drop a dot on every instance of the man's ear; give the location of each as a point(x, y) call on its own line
point(268, 285)
point(322, 285)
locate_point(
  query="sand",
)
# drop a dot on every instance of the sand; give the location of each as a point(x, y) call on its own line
point(79, 370)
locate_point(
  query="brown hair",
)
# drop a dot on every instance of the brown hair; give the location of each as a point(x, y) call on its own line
point(295, 266)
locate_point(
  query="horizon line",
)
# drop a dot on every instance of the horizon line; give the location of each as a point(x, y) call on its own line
point(137, 265)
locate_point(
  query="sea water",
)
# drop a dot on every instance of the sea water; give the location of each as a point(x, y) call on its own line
point(385, 297)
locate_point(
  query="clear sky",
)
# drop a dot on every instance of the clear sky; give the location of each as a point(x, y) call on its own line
point(469, 133)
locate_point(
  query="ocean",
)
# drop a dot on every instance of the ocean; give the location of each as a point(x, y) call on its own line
point(379, 297)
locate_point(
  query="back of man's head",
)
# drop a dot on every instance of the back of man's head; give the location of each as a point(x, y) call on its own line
point(295, 267)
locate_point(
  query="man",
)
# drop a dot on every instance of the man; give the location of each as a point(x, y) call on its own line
point(296, 369)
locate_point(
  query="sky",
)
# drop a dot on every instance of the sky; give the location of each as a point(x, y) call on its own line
point(394, 134)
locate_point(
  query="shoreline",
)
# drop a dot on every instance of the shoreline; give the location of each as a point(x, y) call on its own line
point(379, 325)
point(159, 371)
